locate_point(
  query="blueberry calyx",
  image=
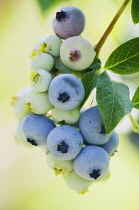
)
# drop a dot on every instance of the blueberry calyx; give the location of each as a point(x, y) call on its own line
point(95, 174)
point(63, 147)
point(31, 141)
point(75, 55)
point(103, 130)
point(63, 97)
point(60, 15)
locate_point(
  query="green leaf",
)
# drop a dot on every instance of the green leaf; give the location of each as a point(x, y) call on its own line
point(89, 83)
point(125, 59)
point(113, 101)
point(46, 4)
point(135, 99)
point(96, 65)
point(135, 11)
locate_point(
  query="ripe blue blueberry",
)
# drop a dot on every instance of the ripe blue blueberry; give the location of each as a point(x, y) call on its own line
point(91, 163)
point(111, 146)
point(64, 142)
point(50, 45)
point(92, 127)
point(41, 61)
point(66, 92)
point(69, 21)
point(35, 129)
point(77, 53)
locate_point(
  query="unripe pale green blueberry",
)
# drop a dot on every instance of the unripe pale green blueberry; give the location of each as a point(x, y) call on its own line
point(59, 166)
point(77, 53)
point(40, 80)
point(77, 183)
point(41, 61)
point(70, 117)
point(65, 70)
point(50, 44)
point(18, 103)
point(19, 136)
point(38, 103)
point(61, 67)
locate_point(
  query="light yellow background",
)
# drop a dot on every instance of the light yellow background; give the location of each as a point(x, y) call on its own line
point(26, 183)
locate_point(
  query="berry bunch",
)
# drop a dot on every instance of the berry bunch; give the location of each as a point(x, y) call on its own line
point(49, 112)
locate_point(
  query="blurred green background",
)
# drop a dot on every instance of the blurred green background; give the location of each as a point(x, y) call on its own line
point(26, 183)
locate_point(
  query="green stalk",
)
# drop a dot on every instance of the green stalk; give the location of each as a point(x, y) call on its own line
point(101, 42)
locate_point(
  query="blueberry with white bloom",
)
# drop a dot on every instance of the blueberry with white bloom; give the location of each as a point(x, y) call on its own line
point(66, 92)
point(40, 80)
point(69, 21)
point(64, 142)
point(38, 103)
point(41, 61)
point(50, 44)
point(70, 117)
point(111, 146)
point(77, 183)
point(18, 103)
point(92, 127)
point(35, 129)
point(59, 166)
point(77, 53)
point(91, 163)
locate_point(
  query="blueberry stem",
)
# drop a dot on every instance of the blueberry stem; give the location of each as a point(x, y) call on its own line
point(101, 42)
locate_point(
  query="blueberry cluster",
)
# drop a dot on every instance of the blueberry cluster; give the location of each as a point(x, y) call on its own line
point(49, 113)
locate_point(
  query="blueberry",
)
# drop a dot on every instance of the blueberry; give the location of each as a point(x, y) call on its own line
point(77, 53)
point(50, 45)
point(92, 127)
point(59, 166)
point(38, 103)
point(77, 183)
point(18, 103)
point(19, 136)
point(40, 80)
point(111, 146)
point(41, 61)
point(69, 21)
point(61, 67)
point(91, 163)
point(64, 142)
point(70, 117)
point(35, 129)
point(66, 92)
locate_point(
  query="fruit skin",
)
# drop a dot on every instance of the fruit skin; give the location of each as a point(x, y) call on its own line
point(35, 129)
point(59, 166)
point(77, 53)
point(52, 44)
point(92, 162)
point(69, 21)
point(41, 61)
point(18, 103)
point(64, 142)
point(19, 137)
point(92, 127)
point(40, 80)
point(66, 92)
point(111, 146)
point(38, 103)
point(70, 117)
point(77, 183)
